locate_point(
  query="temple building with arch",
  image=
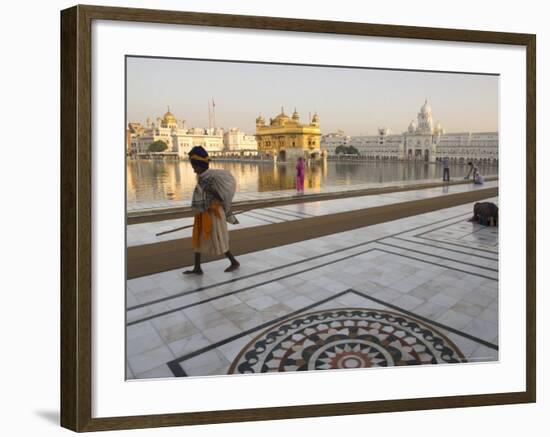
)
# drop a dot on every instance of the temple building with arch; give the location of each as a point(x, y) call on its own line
point(426, 140)
point(180, 139)
point(287, 138)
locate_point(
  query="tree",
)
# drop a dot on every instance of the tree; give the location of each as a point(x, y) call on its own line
point(346, 150)
point(341, 149)
point(158, 146)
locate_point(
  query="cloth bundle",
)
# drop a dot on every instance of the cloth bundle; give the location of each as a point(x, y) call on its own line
point(215, 185)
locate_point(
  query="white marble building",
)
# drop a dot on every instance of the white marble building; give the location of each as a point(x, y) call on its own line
point(331, 141)
point(239, 143)
point(425, 140)
point(384, 144)
point(179, 139)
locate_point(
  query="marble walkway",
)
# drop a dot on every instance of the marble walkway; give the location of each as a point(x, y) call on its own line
point(243, 196)
point(418, 290)
point(145, 233)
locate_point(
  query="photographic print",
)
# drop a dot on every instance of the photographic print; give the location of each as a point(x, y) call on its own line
point(287, 217)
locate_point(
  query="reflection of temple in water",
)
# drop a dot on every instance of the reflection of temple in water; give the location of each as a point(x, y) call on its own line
point(175, 180)
point(246, 174)
point(283, 177)
point(158, 179)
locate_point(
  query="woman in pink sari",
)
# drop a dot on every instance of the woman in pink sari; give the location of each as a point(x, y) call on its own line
point(300, 174)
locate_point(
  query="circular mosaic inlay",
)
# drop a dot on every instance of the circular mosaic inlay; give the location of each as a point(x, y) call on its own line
point(345, 339)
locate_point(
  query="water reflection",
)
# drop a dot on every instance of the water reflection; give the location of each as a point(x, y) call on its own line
point(171, 180)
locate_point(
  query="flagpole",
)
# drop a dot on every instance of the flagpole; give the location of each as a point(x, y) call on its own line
point(214, 112)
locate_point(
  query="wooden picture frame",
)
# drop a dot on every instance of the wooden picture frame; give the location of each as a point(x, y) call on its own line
point(76, 217)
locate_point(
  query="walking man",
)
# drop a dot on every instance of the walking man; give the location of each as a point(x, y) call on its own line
point(446, 175)
point(211, 203)
point(470, 170)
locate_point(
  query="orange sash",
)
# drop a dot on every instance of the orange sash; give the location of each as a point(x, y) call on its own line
point(203, 224)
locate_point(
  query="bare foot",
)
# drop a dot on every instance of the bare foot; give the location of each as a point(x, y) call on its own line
point(233, 266)
point(192, 272)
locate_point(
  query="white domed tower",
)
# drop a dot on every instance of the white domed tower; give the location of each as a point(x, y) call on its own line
point(412, 127)
point(425, 120)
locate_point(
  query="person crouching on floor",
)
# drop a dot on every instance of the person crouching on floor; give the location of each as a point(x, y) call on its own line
point(211, 203)
point(485, 213)
point(478, 179)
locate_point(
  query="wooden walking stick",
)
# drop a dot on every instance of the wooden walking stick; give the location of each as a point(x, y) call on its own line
point(190, 226)
point(173, 230)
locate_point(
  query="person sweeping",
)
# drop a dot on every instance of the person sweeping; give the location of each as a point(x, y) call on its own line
point(211, 204)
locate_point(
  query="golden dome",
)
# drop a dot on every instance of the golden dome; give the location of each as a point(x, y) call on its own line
point(282, 117)
point(169, 117)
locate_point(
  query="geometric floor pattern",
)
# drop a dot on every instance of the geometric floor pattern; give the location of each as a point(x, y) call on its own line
point(414, 291)
point(345, 339)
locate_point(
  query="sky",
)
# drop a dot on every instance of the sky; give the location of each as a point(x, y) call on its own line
point(355, 100)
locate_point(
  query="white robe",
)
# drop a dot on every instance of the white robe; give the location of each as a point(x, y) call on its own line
point(224, 185)
point(218, 241)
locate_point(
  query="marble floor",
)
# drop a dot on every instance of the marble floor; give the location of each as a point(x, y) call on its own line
point(145, 233)
point(243, 196)
point(418, 290)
